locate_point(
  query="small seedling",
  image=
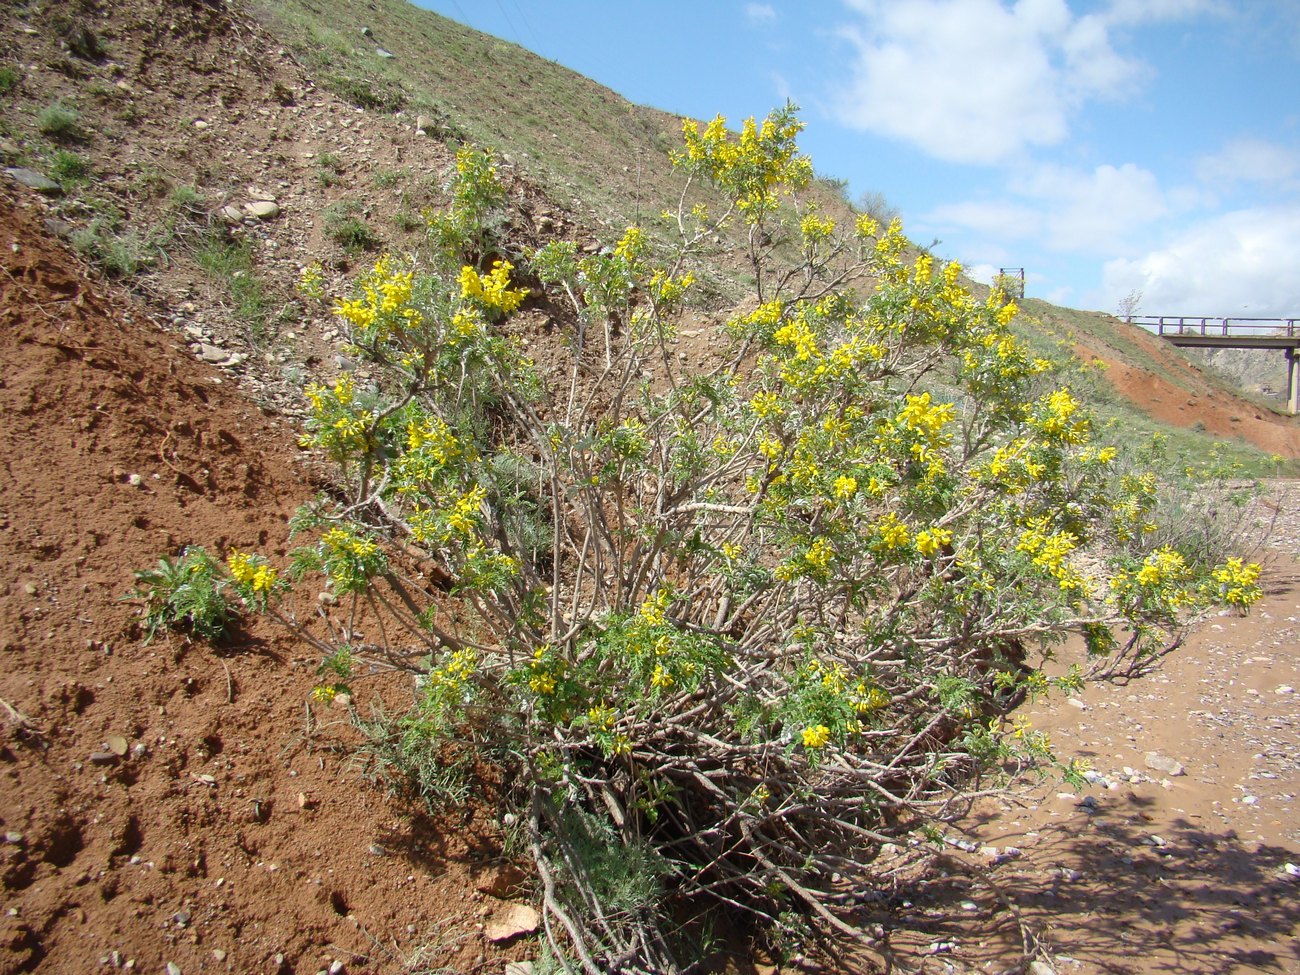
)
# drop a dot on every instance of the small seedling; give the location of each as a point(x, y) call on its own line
point(69, 168)
point(185, 594)
point(348, 230)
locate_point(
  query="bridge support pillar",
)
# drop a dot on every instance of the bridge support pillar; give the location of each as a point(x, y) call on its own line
point(1293, 380)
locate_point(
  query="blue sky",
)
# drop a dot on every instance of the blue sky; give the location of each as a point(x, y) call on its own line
point(1107, 147)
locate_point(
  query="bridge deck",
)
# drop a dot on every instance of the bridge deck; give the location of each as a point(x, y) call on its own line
point(1234, 333)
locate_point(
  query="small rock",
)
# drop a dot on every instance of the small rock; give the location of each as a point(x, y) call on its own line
point(504, 883)
point(341, 702)
point(519, 968)
point(182, 918)
point(969, 906)
point(1284, 689)
point(102, 758)
point(218, 954)
point(262, 209)
point(173, 968)
point(200, 124)
point(1075, 702)
point(1162, 763)
point(513, 922)
point(34, 180)
point(116, 744)
point(1040, 968)
point(212, 353)
point(337, 967)
point(232, 215)
point(14, 837)
point(386, 55)
point(423, 124)
point(1291, 870)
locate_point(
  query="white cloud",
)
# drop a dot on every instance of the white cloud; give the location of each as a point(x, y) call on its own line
point(1095, 211)
point(976, 80)
point(1069, 210)
point(1133, 12)
point(1250, 161)
point(1238, 263)
point(760, 13)
point(995, 218)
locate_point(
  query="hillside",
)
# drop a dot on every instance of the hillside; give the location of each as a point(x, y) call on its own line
point(320, 114)
point(167, 805)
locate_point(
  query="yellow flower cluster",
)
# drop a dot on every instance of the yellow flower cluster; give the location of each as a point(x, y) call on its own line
point(383, 303)
point(1055, 417)
point(867, 698)
point(632, 244)
point(1238, 583)
point(668, 290)
point(1163, 565)
point(922, 416)
point(800, 338)
point(340, 541)
point(542, 672)
point(464, 514)
point(456, 672)
point(492, 290)
point(251, 572)
point(311, 281)
point(845, 487)
point(753, 168)
point(816, 229)
point(819, 556)
point(891, 532)
point(655, 607)
point(766, 404)
point(432, 435)
point(816, 736)
point(931, 540)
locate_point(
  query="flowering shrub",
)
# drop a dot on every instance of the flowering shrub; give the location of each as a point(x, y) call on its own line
point(743, 623)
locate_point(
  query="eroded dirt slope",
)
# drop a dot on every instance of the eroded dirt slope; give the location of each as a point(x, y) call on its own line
point(234, 830)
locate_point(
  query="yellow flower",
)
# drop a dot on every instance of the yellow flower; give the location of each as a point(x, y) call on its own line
point(661, 678)
point(892, 532)
point(926, 543)
point(845, 487)
point(654, 608)
point(816, 736)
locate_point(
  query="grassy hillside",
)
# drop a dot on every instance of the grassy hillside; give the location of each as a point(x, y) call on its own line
point(596, 162)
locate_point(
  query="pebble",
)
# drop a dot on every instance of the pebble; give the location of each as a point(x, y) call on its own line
point(14, 837)
point(218, 954)
point(173, 968)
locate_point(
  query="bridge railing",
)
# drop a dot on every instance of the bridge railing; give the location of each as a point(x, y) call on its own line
point(1210, 326)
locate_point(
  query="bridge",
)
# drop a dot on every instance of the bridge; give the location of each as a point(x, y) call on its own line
point(1234, 333)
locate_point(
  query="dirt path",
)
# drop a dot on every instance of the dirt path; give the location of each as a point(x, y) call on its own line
point(1183, 854)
